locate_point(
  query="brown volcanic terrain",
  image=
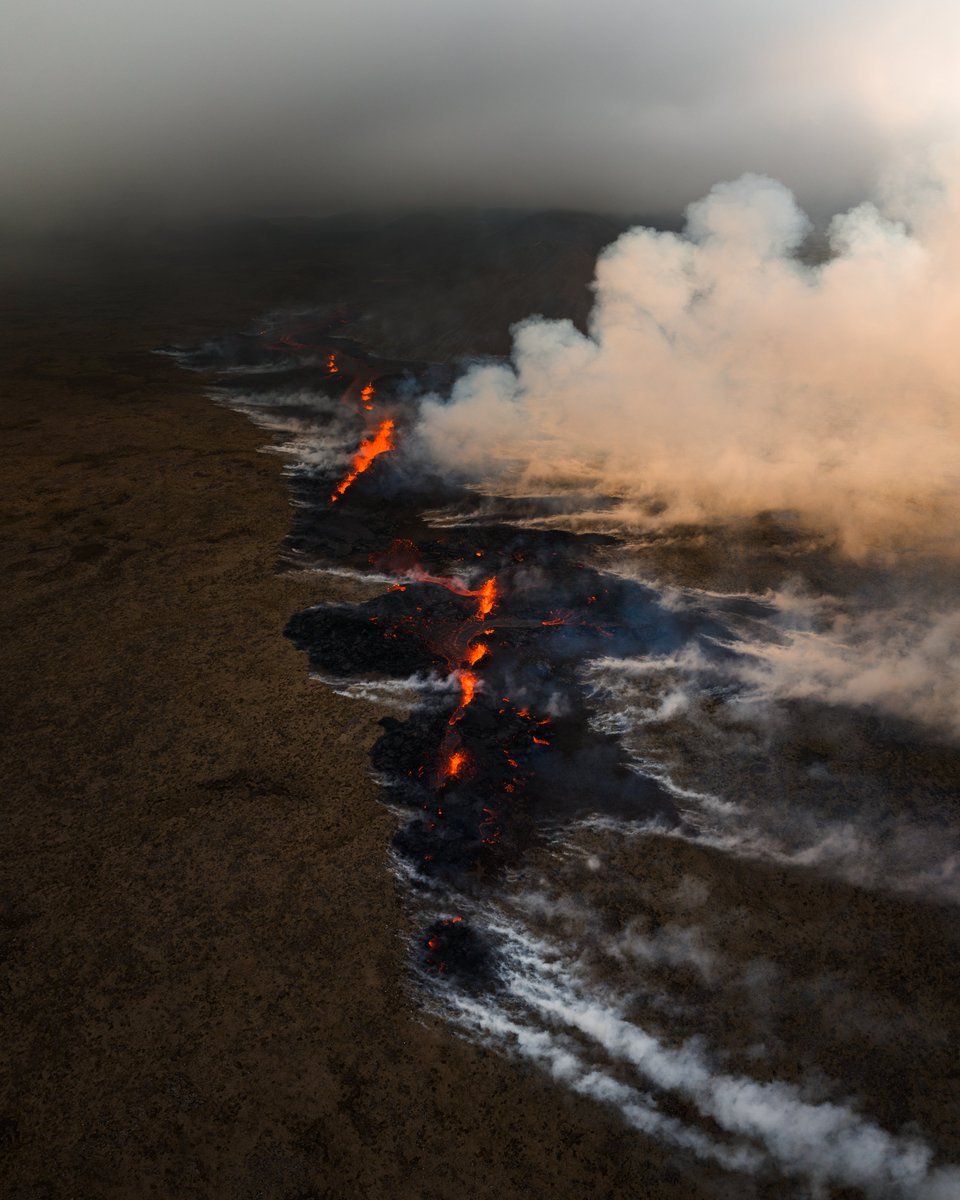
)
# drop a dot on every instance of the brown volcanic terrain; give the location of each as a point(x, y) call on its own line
point(204, 987)
point(204, 983)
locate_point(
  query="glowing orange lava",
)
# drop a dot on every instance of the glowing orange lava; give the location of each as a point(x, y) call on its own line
point(468, 687)
point(366, 396)
point(371, 448)
point(450, 582)
point(468, 680)
point(488, 597)
point(475, 653)
point(398, 563)
point(455, 764)
point(332, 365)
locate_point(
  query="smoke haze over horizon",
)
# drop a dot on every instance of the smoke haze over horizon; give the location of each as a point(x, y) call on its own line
point(720, 378)
point(634, 107)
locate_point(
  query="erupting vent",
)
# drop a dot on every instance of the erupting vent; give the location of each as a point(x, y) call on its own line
point(506, 615)
point(524, 826)
point(370, 449)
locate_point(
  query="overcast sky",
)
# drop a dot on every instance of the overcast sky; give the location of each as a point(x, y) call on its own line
point(200, 106)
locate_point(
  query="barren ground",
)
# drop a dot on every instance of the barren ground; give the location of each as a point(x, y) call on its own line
point(203, 985)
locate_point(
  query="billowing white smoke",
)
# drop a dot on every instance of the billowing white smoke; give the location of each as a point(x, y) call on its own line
point(904, 663)
point(722, 377)
point(903, 660)
point(823, 1142)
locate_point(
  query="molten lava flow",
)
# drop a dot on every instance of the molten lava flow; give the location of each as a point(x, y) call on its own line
point(488, 597)
point(366, 396)
point(558, 619)
point(468, 680)
point(332, 365)
point(401, 559)
point(450, 582)
point(475, 653)
point(468, 687)
point(455, 764)
point(566, 618)
point(371, 448)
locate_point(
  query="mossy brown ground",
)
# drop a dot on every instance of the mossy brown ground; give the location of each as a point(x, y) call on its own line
point(204, 982)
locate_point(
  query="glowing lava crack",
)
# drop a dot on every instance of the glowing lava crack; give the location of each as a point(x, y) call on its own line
point(473, 762)
point(370, 450)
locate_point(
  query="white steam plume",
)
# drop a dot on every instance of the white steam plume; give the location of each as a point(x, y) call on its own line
point(558, 1057)
point(722, 377)
point(825, 1143)
point(907, 664)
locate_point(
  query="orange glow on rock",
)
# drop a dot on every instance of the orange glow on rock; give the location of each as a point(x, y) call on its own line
point(370, 449)
point(488, 597)
point(475, 653)
point(467, 691)
point(366, 396)
point(455, 764)
point(468, 687)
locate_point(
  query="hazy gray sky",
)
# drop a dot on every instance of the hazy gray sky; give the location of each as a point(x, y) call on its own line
point(193, 106)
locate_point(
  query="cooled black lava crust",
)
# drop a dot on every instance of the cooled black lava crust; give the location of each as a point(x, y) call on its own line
point(483, 775)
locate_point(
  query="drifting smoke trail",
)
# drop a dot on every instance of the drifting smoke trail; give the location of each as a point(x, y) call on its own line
point(508, 986)
point(559, 1059)
point(722, 378)
point(904, 663)
point(825, 1143)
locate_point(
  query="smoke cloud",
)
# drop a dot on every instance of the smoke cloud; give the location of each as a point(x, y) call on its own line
point(721, 378)
point(904, 663)
point(633, 105)
point(825, 1143)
